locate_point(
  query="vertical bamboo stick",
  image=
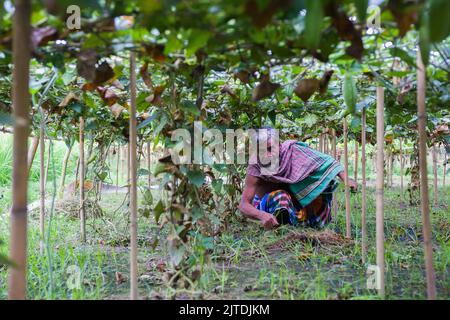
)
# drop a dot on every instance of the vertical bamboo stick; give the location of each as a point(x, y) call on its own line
point(81, 185)
point(425, 202)
point(21, 102)
point(149, 163)
point(321, 142)
point(380, 190)
point(363, 187)
point(64, 170)
point(348, 233)
point(123, 165)
point(355, 173)
point(42, 178)
point(435, 175)
point(334, 153)
point(32, 151)
point(402, 166)
point(133, 175)
point(445, 170)
point(117, 168)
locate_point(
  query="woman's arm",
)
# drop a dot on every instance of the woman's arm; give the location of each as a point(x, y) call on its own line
point(351, 183)
point(247, 208)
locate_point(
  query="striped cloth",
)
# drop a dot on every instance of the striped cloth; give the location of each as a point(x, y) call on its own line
point(310, 176)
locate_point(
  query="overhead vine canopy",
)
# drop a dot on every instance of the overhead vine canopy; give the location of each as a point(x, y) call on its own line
point(231, 61)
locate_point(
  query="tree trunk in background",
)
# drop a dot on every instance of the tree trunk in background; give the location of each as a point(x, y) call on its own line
point(133, 188)
point(402, 166)
point(356, 161)
point(21, 102)
point(348, 233)
point(32, 152)
point(42, 178)
point(81, 185)
point(64, 170)
point(435, 175)
point(380, 190)
point(425, 203)
point(363, 187)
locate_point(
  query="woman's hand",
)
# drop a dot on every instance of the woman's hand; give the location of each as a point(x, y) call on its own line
point(268, 221)
point(352, 185)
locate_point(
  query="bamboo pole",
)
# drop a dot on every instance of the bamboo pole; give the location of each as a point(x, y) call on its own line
point(425, 202)
point(149, 163)
point(321, 142)
point(402, 166)
point(347, 189)
point(42, 178)
point(363, 188)
point(32, 152)
point(435, 175)
point(334, 153)
point(355, 173)
point(64, 170)
point(47, 165)
point(380, 191)
point(133, 188)
point(117, 168)
point(21, 102)
point(124, 156)
point(81, 185)
point(445, 170)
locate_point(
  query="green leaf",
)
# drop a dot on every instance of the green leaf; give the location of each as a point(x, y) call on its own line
point(350, 93)
point(158, 210)
point(313, 23)
point(439, 22)
point(198, 38)
point(402, 54)
point(361, 9)
point(173, 44)
point(147, 121)
point(196, 177)
point(217, 185)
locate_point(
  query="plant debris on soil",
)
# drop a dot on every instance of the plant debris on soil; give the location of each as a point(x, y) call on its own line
point(324, 237)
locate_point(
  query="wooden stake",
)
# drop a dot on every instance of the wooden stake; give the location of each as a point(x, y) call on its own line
point(32, 152)
point(380, 191)
point(81, 185)
point(425, 202)
point(348, 233)
point(42, 178)
point(117, 168)
point(363, 188)
point(445, 170)
point(21, 102)
point(402, 166)
point(133, 187)
point(435, 175)
point(355, 173)
point(149, 162)
point(64, 170)
point(334, 153)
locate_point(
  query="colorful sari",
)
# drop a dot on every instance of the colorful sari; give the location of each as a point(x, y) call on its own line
point(310, 176)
